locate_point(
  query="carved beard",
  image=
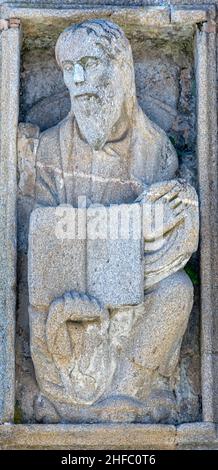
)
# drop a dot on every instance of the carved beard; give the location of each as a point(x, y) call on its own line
point(95, 117)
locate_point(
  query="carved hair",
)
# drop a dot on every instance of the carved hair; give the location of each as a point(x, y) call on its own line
point(111, 38)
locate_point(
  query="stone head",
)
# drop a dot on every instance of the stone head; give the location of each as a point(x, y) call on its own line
point(96, 59)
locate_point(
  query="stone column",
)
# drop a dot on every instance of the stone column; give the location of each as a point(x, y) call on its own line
point(207, 171)
point(9, 104)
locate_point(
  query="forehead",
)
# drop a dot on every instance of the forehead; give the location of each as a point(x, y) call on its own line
point(80, 44)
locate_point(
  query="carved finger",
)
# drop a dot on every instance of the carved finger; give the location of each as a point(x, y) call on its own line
point(156, 192)
point(172, 194)
point(175, 202)
point(174, 222)
point(179, 209)
point(179, 217)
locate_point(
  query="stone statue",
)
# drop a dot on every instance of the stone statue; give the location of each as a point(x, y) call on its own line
point(96, 360)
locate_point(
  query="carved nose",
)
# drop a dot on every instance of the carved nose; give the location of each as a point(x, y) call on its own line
point(78, 74)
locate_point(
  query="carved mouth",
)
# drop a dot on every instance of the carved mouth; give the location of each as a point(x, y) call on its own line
point(86, 96)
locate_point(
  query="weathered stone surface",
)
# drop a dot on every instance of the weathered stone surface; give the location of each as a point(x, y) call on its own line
point(77, 3)
point(69, 375)
point(188, 15)
point(9, 80)
point(180, 244)
point(28, 136)
point(100, 151)
point(207, 161)
point(209, 362)
point(46, 280)
point(95, 261)
point(152, 76)
point(205, 437)
point(108, 2)
point(215, 386)
point(189, 398)
point(197, 436)
point(115, 264)
point(164, 85)
point(66, 436)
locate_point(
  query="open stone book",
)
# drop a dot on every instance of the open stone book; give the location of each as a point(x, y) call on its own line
point(98, 251)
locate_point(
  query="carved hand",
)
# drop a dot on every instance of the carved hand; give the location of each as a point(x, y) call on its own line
point(74, 307)
point(164, 208)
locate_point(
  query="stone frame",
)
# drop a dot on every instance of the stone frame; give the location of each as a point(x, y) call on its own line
point(112, 436)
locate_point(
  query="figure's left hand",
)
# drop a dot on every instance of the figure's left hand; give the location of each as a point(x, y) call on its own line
point(173, 209)
point(164, 208)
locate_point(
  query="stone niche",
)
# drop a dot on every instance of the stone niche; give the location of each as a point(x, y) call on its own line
point(174, 62)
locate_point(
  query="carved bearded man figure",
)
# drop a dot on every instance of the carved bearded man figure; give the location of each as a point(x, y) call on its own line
point(107, 150)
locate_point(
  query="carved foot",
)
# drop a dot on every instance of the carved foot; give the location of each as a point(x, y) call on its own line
point(162, 406)
point(119, 409)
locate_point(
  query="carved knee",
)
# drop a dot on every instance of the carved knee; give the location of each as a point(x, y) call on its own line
point(182, 291)
point(176, 294)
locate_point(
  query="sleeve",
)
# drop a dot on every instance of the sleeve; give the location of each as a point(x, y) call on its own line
point(171, 252)
point(27, 143)
point(46, 193)
point(168, 160)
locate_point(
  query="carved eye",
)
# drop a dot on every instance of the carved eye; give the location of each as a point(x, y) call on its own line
point(68, 67)
point(91, 62)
